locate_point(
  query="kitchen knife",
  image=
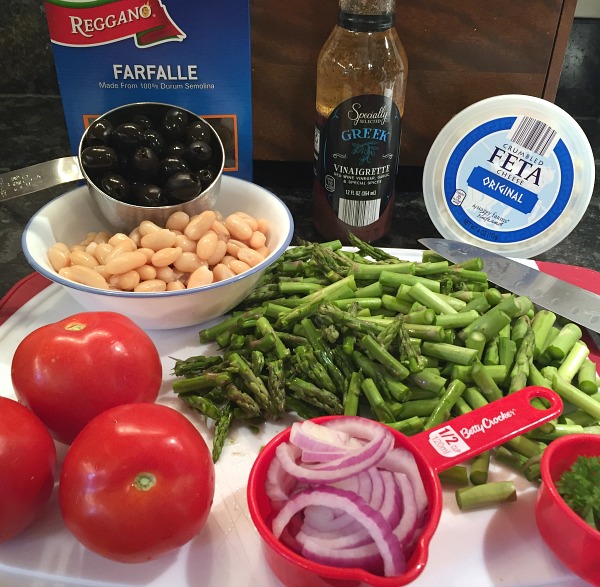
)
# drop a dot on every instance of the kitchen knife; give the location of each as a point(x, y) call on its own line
point(562, 298)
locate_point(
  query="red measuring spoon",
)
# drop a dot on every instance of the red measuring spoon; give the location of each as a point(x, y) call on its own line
point(434, 450)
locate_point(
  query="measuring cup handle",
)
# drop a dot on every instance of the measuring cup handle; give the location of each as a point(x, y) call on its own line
point(40, 176)
point(468, 435)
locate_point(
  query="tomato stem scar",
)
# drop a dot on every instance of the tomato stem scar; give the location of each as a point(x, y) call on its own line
point(75, 326)
point(144, 481)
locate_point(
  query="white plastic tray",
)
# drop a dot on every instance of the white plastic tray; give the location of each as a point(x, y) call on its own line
point(485, 548)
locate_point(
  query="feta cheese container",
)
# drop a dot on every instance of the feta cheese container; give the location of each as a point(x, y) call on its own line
point(513, 174)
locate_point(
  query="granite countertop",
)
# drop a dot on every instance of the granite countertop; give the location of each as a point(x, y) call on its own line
point(33, 131)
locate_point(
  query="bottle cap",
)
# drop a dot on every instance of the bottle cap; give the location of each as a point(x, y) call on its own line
point(513, 174)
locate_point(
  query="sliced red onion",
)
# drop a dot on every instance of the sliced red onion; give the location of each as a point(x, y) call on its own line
point(373, 451)
point(352, 499)
point(353, 465)
point(377, 488)
point(389, 548)
point(324, 519)
point(310, 436)
point(348, 539)
point(365, 557)
point(399, 460)
point(391, 508)
point(355, 426)
point(407, 527)
point(279, 484)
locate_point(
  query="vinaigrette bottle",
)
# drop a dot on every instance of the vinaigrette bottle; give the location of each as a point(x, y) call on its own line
point(361, 87)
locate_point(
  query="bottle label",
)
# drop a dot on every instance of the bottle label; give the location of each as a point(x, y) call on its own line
point(356, 157)
point(509, 179)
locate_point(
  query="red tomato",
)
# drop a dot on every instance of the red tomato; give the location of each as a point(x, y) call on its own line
point(70, 371)
point(137, 482)
point(27, 461)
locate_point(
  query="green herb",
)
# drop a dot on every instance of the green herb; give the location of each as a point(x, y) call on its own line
point(580, 488)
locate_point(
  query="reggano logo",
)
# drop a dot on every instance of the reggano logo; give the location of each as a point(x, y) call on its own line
point(106, 21)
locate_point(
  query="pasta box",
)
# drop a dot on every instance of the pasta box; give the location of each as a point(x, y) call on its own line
point(193, 54)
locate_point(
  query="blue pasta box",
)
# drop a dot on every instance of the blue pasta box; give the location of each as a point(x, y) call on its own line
point(189, 53)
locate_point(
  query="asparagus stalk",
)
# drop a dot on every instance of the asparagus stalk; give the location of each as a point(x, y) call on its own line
point(488, 494)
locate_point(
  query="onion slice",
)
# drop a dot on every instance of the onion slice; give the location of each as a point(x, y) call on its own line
point(394, 562)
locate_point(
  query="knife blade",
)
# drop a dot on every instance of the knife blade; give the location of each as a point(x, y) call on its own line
point(569, 301)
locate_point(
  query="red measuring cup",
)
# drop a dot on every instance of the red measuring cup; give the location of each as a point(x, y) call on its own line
point(434, 450)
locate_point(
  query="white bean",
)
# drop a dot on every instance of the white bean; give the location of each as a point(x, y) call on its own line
point(234, 246)
point(119, 237)
point(222, 272)
point(101, 237)
point(264, 251)
point(135, 236)
point(102, 252)
point(151, 285)
point(199, 224)
point(237, 227)
point(159, 239)
point(167, 274)
point(147, 226)
point(178, 221)
point(262, 224)
point(166, 256)
point(125, 262)
point(126, 281)
point(186, 243)
point(207, 245)
point(83, 258)
point(258, 239)
point(59, 257)
point(218, 254)
point(249, 220)
point(146, 272)
point(121, 247)
point(147, 252)
point(250, 256)
point(175, 286)
point(188, 262)
point(238, 266)
point(202, 276)
point(221, 230)
point(85, 276)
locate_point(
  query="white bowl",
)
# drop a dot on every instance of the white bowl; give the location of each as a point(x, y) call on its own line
point(70, 217)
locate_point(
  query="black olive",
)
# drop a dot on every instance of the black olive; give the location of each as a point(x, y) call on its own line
point(198, 131)
point(206, 177)
point(116, 186)
point(144, 164)
point(154, 140)
point(142, 121)
point(98, 159)
point(183, 186)
point(198, 154)
point(147, 194)
point(176, 149)
point(175, 124)
point(99, 132)
point(128, 136)
point(170, 165)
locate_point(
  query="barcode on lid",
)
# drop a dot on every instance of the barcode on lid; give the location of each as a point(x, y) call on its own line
point(533, 134)
point(358, 212)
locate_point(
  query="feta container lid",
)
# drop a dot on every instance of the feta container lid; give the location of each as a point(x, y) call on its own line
point(513, 174)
